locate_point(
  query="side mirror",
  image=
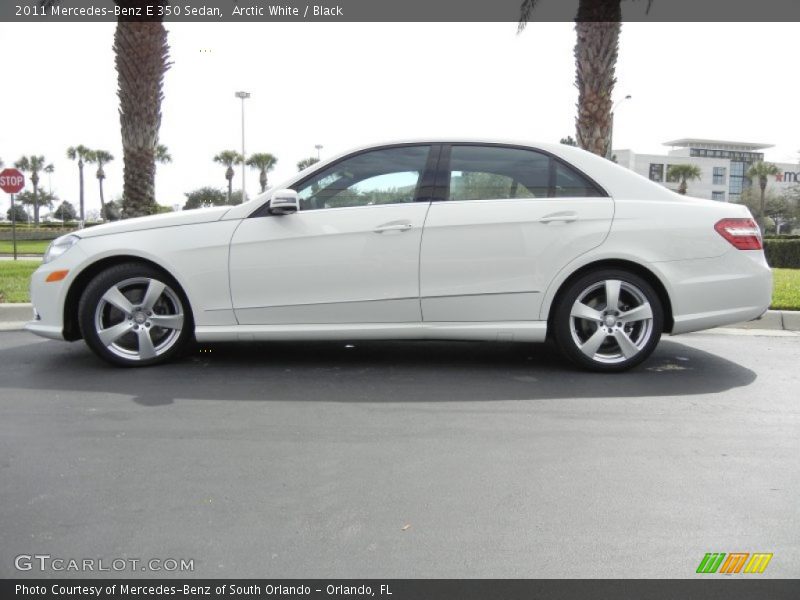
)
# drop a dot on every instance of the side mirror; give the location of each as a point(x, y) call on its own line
point(284, 202)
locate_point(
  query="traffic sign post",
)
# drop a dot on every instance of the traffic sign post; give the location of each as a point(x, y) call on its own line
point(11, 182)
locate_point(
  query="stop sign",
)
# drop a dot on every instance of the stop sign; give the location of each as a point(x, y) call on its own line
point(11, 181)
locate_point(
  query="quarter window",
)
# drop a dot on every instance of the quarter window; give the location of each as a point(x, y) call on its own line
point(387, 176)
point(499, 173)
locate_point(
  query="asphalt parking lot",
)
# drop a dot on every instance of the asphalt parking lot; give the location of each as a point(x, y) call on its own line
point(403, 459)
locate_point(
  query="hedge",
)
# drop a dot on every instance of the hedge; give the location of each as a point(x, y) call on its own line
point(783, 254)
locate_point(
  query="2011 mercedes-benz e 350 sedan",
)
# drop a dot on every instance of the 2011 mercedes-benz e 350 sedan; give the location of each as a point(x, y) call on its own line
point(457, 240)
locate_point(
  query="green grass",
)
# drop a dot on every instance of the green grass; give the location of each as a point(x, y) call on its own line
point(24, 246)
point(786, 290)
point(14, 278)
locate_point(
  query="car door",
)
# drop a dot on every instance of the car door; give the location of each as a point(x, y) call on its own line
point(349, 255)
point(511, 219)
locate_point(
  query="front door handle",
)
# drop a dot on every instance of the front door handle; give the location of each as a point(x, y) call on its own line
point(393, 226)
point(564, 217)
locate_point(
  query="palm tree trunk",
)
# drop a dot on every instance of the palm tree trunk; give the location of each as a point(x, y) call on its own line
point(762, 183)
point(80, 192)
point(597, 27)
point(262, 179)
point(35, 203)
point(683, 187)
point(102, 201)
point(142, 53)
point(230, 189)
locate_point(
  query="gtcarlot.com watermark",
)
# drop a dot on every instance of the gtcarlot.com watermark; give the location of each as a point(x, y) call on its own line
point(46, 562)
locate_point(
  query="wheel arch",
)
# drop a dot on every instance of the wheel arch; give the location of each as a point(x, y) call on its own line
point(72, 329)
point(628, 265)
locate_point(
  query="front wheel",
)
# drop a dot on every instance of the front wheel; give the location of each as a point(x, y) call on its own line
point(134, 315)
point(608, 321)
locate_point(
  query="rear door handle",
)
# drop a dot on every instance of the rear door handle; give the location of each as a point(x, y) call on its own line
point(564, 216)
point(393, 226)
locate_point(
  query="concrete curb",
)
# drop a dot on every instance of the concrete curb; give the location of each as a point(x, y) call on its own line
point(14, 315)
point(15, 312)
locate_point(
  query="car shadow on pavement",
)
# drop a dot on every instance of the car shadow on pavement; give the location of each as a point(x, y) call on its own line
point(367, 372)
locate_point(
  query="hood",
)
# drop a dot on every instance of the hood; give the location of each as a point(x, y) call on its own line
point(172, 219)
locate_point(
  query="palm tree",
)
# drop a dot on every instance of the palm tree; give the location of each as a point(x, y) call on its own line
point(142, 57)
point(101, 157)
point(762, 170)
point(162, 154)
point(229, 158)
point(684, 174)
point(141, 54)
point(264, 162)
point(33, 164)
point(597, 25)
point(307, 162)
point(49, 169)
point(82, 153)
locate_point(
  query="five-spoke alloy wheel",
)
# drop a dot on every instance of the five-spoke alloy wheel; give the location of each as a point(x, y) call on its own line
point(134, 315)
point(610, 320)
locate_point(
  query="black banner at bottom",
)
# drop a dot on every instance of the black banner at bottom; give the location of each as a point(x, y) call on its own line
point(403, 589)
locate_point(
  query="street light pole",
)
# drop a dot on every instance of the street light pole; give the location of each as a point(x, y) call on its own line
point(243, 96)
point(611, 132)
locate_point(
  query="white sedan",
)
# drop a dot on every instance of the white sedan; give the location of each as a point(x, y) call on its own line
point(434, 239)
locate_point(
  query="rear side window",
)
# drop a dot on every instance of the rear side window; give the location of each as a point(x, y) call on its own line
point(499, 173)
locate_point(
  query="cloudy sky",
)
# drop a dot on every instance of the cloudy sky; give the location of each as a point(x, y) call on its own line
point(342, 85)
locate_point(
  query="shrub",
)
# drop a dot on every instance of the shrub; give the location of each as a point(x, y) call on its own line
point(783, 254)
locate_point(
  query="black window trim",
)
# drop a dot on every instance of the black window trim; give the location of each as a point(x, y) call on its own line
point(443, 175)
point(427, 180)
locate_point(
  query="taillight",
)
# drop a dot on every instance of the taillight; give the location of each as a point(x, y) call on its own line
point(744, 234)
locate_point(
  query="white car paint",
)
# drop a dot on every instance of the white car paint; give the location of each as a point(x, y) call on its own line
point(476, 269)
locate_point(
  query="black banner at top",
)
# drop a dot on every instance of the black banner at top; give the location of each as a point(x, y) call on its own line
point(243, 11)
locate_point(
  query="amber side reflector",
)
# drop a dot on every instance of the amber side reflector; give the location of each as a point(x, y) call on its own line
point(57, 275)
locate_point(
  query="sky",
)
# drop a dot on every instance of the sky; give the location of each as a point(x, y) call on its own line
point(343, 85)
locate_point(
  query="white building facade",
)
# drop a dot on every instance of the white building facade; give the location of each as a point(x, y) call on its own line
point(723, 167)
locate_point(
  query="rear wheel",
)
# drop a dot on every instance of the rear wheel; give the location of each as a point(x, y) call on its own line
point(134, 315)
point(609, 320)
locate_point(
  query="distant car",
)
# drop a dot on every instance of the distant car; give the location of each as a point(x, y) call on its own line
point(455, 240)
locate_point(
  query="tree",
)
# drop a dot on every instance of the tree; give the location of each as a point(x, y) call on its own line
point(568, 141)
point(32, 164)
point(228, 158)
point(684, 174)
point(761, 170)
point(17, 214)
point(65, 212)
point(264, 162)
point(100, 157)
point(113, 211)
point(82, 154)
point(204, 197)
point(49, 169)
point(307, 162)
point(42, 198)
point(142, 57)
point(162, 154)
point(597, 27)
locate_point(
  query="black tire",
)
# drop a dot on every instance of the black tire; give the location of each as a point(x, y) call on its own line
point(128, 304)
point(596, 336)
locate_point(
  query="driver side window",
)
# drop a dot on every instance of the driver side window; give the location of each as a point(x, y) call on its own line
point(387, 176)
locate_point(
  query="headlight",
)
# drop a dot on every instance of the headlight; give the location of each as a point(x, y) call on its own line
point(58, 246)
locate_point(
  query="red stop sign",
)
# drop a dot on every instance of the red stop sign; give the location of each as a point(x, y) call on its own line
point(11, 181)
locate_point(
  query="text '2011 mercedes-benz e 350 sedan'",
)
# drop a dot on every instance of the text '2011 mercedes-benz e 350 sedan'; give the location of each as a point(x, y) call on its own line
point(456, 240)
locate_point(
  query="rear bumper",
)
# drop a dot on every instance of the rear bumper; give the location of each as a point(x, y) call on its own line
point(712, 292)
